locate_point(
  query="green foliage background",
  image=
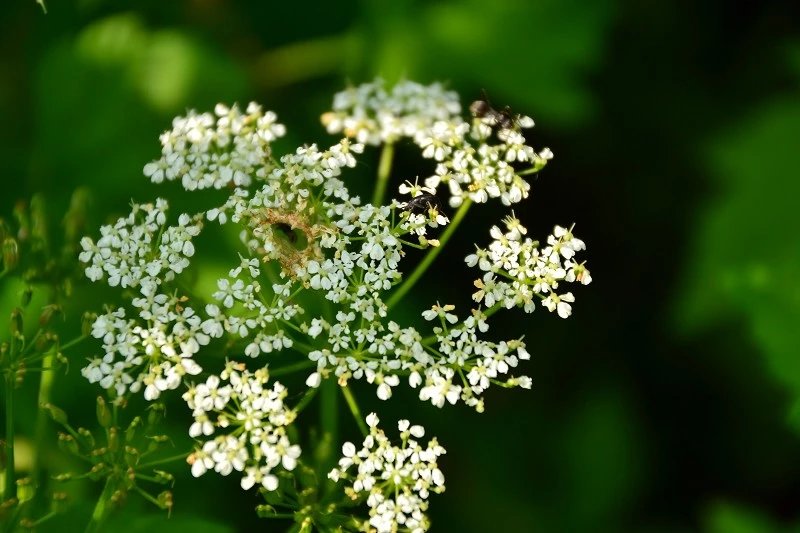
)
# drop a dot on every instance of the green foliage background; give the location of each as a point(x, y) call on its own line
point(670, 401)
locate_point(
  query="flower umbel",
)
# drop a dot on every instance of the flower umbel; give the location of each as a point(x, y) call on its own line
point(395, 481)
point(312, 287)
point(248, 421)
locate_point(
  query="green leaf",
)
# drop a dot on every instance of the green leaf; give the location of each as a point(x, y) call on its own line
point(729, 518)
point(744, 261)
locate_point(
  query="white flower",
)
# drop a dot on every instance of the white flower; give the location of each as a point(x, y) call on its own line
point(395, 481)
point(250, 419)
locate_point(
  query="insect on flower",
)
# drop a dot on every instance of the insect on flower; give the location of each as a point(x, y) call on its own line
point(503, 120)
point(422, 203)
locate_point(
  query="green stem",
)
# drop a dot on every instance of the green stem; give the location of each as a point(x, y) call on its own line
point(45, 386)
point(100, 509)
point(384, 169)
point(305, 400)
point(289, 369)
point(10, 490)
point(411, 280)
point(329, 424)
point(351, 402)
point(329, 408)
point(71, 343)
point(165, 460)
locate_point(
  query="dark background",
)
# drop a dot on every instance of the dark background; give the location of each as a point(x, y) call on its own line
point(669, 401)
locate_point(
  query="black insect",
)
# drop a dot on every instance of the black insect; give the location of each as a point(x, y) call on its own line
point(421, 204)
point(504, 119)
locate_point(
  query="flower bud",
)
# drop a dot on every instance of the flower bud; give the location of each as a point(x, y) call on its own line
point(155, 414)
point(87, 436)
point(130, 432)
point(132, 456)
point(97, 471)
point(163, 477)
point(113, 439)
point(44, 342)
point(25, 489)
point(10, 253)
point(265, 511)
point(48, 312)
point(58, 502)
point(103, 414)
point(68, 444)
point(165, 500)
point(87, 320)
point(27, 295)
point(58, 415)
point(16, 322)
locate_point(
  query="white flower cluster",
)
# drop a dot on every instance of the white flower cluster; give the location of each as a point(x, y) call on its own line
point(246, 313)
point(395, 480)
point(518, 271)
point(216, 150)
point(478, 160)
point(155, 348)
point(249, 420)
point(474, 163)
point(373, 114)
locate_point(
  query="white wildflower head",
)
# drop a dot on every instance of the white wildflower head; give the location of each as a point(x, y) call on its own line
point(216, 150)
point(394, 480)
point(240, 423)
point(519, 272)
point(373, 114)
point(151, 346)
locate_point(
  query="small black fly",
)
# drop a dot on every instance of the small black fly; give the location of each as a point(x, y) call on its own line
point(421, 204)
point(502, 120)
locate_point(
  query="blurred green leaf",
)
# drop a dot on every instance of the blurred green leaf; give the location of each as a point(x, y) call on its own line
point(730, 518)
point(530, 51)
point(87, 135)
point(745, 258)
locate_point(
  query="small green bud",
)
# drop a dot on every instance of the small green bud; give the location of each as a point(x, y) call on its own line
point(113, 439)
point(156, 442)
point(163, 477)
point(48, 313)
point(306, 476)
point(130, 433)
point(103, 414)
point(16, 322)
point(132, 456)
point(155, 414)
point(44, 342)
point(87, 436)
point(86, 323)
point(58, 502)
point(25, 489)
point(10, 253)
point(165, 500)
point(27, 295)
point(118, 496)
point(97, 471)
point(58, 415)
point(67, 443)
point(265, 511)
point(66, 476)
